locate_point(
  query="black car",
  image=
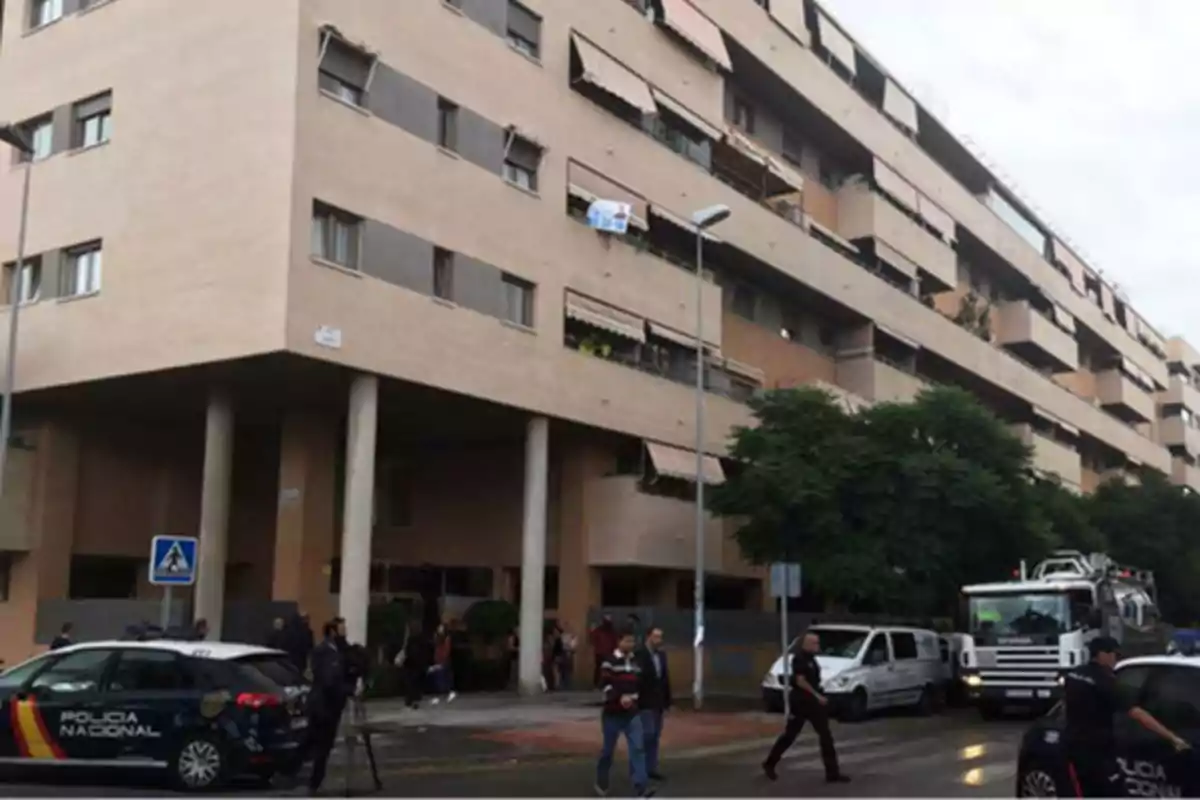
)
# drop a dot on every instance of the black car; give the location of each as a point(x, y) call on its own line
point(202, 712)
point(1169, 688)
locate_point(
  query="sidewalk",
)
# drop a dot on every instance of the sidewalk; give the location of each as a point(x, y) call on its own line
point(505, 729)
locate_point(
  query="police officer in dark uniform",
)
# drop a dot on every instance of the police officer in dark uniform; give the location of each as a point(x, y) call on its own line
point(326, 700)
point(807, 705)
point(1093, 699)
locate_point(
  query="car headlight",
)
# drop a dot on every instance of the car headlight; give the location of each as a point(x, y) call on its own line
point(972, 680)
point(837, 683)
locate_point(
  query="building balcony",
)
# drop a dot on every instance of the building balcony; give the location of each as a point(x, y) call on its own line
point(1036, 339)
point(629, 526)
point(906, 246)
point(1181, 393)
point(1184, 474)
point(877, 380)
point(1175, 432)
point(1123, 398)
point(1052, 457)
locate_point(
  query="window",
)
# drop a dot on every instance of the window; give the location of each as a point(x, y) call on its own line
point(743, 115)
point(5, 575)
point(524, 29)
point(393, 497)
point(518, 300)
point(447, 124)
point(904, 645)
point(1173, 697)
point(521, 160)
point(743, 301)
point(443, 273)
point(16, 677)
point(1131, 681)
point(76, 672)
point(93, 121)
point(104, 577)
point(83, 271)
point(344, 71)
point(30, 282)
point(335, 235)
point(45, 12)
point(877, 650)
point(149, 671)
point(40, 135)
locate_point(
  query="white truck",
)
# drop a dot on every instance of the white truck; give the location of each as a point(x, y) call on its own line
point(1023, 634)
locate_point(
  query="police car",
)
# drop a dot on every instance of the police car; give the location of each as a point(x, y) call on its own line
point(1166, 686)
point(202, 712)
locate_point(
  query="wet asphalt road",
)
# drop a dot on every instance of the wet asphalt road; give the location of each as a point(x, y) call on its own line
point(950, 755)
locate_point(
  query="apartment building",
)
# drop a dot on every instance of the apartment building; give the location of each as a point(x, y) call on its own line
point(313, 280)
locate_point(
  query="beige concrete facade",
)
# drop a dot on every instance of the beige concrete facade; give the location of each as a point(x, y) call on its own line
point(270, 229)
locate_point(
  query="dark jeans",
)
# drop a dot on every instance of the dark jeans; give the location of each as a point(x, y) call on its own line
point(806, 711)
point(652, 728)
point(322, 734)
point(443, 679)
point(414, 684)
point(612, 726)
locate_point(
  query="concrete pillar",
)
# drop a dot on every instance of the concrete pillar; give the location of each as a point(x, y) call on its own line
point(358, 506)
point(533, 554)
point(304, 521)
point(42, 573)
point(209, 597)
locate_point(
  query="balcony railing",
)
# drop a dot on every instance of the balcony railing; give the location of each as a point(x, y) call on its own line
point(1025, 330)
point(1123, 398)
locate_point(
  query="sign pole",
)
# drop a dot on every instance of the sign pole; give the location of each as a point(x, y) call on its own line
point(165, 621)
point(785, 584)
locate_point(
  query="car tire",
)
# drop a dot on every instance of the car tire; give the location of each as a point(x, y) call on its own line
point(200, 764)
point(1037, 780)
point(857, 707)
point(925, 702)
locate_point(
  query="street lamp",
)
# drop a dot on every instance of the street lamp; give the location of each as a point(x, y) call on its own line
point(13, 136)
point(703, 219)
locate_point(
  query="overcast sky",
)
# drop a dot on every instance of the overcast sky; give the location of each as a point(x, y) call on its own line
point(1090, 107)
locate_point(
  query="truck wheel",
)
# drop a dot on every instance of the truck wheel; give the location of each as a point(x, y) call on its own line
point(925, 702)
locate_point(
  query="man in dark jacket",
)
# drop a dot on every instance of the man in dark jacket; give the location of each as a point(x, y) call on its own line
point(620, 681)
point(299, 640)
point(654, 696)
point(807, 704)
point(64, 636)
point(326, 700)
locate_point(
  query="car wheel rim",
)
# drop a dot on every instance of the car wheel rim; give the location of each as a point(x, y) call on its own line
point(199, 764)
point(1038, 784)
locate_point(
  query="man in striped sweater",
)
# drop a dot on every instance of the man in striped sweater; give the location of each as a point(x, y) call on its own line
point(620, 676)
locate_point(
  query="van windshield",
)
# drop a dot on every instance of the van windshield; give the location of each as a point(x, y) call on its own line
point(840, 642)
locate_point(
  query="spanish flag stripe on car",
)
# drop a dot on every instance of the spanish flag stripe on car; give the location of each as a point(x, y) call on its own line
point(29, 729)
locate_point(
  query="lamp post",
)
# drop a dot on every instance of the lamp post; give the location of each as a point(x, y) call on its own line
point(14, 137)
point(703, 219)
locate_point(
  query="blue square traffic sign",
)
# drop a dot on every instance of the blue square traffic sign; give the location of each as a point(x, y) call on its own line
point(173, 560)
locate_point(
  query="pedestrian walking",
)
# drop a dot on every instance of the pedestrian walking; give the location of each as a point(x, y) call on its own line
point(416, 665)
point(298, 641)
point(566, 667)
point(552, 650)
point(358, 664)
point(807, 705)
point(63, 639)
point(603, 638)
point(440, 670)
point(654, 697)
point(1093, 700)
point(513, 653)
point(620, 679)
point(326, 700)
point(200, 630)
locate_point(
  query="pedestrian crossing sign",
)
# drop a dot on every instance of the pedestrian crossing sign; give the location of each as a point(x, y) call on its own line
point(173, 560)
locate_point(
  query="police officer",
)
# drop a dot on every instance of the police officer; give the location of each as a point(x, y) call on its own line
point(1092, 700)
point(807, 705)
point(326, 699)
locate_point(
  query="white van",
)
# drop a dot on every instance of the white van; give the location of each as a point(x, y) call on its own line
point(865, 668)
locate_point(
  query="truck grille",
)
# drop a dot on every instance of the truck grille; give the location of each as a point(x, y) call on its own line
point(1032, 667)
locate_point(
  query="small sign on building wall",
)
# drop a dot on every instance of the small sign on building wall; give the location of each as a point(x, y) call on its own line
point(328, 336)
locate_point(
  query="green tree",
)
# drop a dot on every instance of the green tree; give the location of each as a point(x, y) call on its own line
point(895, 506)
